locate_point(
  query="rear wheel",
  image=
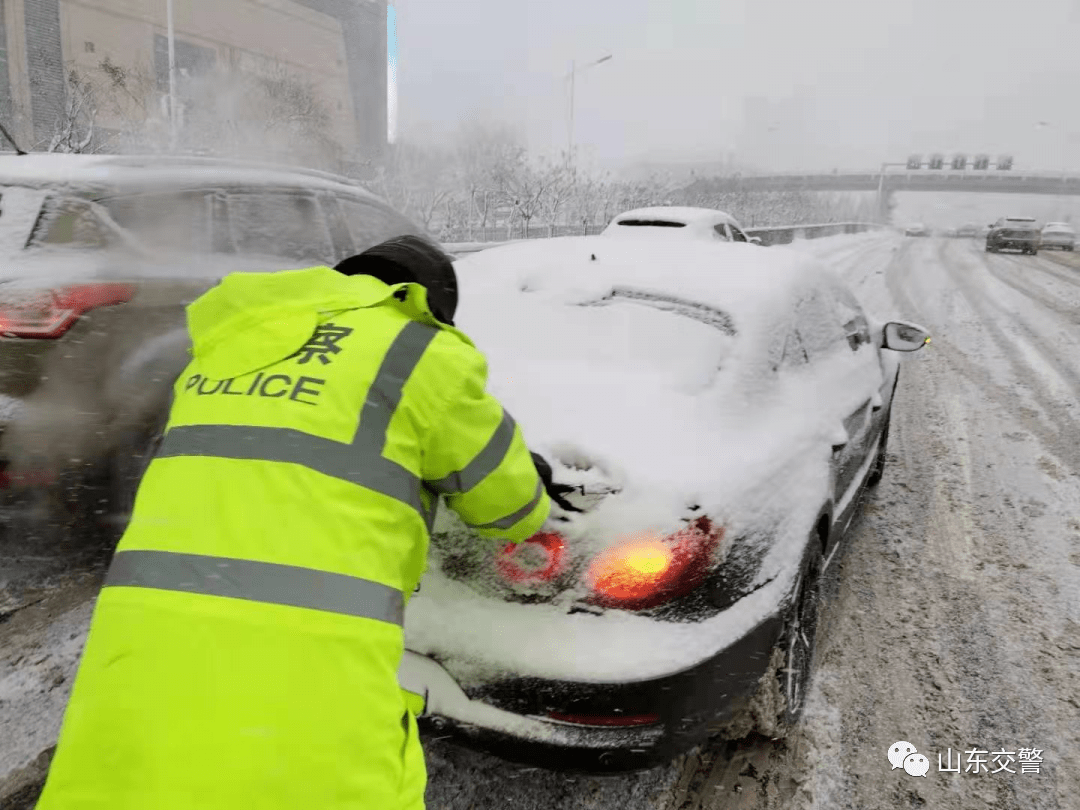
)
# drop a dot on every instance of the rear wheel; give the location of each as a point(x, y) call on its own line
point(798, 642)
point(775, 707)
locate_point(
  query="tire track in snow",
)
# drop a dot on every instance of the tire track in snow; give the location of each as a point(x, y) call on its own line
point(1000, 266)
point(1059, 430)
point(1055, 360)
point(1060, 260)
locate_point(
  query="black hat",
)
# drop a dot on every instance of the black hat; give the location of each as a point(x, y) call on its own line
point(405, 259)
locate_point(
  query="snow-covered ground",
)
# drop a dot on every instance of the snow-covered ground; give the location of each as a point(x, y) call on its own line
point(952, 618)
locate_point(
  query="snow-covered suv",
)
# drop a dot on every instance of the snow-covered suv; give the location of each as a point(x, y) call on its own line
point(99, 256)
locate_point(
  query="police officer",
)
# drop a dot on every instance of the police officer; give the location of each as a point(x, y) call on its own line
point(244, 650)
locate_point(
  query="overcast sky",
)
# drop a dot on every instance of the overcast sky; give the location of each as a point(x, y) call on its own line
point(776, 84)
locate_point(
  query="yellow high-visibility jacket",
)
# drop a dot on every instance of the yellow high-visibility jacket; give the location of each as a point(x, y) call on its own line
point(244, 650)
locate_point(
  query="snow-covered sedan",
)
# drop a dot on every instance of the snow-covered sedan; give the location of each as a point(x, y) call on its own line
point(1059, 235)
point(679, 223)
point(718, 429)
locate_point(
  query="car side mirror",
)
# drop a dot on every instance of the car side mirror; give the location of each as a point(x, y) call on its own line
point(901, 336)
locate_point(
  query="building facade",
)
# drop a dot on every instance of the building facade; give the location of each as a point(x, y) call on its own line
point(336, 47)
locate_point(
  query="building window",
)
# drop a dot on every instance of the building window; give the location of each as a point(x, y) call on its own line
point(88, 47)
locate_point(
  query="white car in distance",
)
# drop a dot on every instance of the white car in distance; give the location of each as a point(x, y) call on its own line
point(681, 223)
point(1059, 235)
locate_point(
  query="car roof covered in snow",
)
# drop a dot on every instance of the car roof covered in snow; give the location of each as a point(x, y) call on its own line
point(143, 172)
point(672, 213)
point(739, 279)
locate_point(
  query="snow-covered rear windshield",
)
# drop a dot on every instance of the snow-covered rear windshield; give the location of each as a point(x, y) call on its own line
point(626, 338)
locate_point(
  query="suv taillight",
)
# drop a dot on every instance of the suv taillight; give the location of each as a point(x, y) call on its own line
point(51, 313)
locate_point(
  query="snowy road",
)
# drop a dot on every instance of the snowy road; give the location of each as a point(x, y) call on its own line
point(953, 615)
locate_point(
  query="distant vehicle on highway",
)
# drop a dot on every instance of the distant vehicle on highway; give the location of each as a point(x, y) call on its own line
point(624, 635)
point(967, 231)
point(100, 256)
point(1058, 235)
point(1014, 233)
point(916, 229)
point(696, 224)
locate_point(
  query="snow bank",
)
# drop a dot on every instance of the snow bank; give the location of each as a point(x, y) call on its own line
point(36, 674)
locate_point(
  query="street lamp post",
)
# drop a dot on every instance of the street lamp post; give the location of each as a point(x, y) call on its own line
point(574, 70)
point(172, 74)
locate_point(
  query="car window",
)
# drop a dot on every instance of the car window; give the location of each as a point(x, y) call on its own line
point(817, 324)
point(794, 353)
point(721, 232)
point(70, 222)
point(737, 235)
point(370, 223)
point(289, 224)
point(178, 222)
point(851, 317)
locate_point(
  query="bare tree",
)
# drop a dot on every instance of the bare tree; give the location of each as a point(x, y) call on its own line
point(485, 154)
point(589, 193)
point(558, 182)
point(416, 181)
point(522, 185)
point(74, 129)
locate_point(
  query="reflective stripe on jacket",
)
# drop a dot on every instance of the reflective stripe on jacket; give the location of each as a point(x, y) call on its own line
point(245, 648)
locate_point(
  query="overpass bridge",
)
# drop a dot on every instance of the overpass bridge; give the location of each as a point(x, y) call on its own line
point(886, 182)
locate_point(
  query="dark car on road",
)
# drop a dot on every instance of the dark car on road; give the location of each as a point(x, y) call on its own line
point(718, 412)
point(101, 255)
point(1014, 233)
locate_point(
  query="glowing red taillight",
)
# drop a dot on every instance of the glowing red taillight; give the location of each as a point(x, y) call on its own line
point(51, 313)
point(538, 559)
point(646, 571)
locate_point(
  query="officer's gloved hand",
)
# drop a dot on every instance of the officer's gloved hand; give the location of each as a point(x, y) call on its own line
point(555, 491)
